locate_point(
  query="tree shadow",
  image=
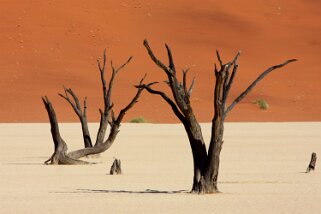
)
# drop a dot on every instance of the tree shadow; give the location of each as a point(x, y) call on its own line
point(12, 163)
point(147, 191)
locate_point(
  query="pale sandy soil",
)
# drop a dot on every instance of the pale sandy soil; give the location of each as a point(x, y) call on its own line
point(261, 171)
point(46, 44)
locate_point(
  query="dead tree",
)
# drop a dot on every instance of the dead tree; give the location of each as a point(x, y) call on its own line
point(206, 162)
point(313, 161)
point(107, 116)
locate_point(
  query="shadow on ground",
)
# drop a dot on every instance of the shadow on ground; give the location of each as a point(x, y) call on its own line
point(147, 191)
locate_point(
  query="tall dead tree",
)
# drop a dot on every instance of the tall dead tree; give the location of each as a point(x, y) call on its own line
point(107, 117)
point(206, 162)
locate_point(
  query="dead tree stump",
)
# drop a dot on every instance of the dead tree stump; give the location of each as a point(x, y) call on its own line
point(115, 169)
point(313, 161)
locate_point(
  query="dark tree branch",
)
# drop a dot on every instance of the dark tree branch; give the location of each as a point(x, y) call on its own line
point(74, 96)
point(103, 113)
point(124, 64)
point(108, 105)
point(219, 58)
point(266, 72)
point(85, 107)
point(81, 114)
point(234, 63)
point(75, 104)
point(113, 118)
point(185, 79)
point(183, 110)
point(66, 97)
point(115, 122)
point(165, 97)
point(103, 65)
point(131, 104)
point(110, 88)
point(179, 95)
point(229, 80)
point(189, 92)
point(53, 122)
point(170, 59)
point(168, 71)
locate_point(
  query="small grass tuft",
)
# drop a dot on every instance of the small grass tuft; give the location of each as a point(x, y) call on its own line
point(138, 120)
point(263, 105)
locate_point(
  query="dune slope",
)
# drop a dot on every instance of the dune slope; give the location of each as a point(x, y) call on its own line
point(46, 44)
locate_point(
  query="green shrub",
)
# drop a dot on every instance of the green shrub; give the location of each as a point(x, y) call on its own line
point(262, 104)
point(138, 120)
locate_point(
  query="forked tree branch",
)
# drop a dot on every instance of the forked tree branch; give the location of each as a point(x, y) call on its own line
point(102, 66)
point(75, 103)
point(115, 122)
point(131, 104)
point(168, 71)
point(235, 65)
point(229, 79)
point(181, 98)
point(188, 91)
point(219, 58)
point(258, 79)
point(107, 92)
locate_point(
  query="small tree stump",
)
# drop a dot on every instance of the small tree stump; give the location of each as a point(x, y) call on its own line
point(313, 161)
point(116, 167)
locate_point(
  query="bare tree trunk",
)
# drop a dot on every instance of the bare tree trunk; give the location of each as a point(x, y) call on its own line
point(199, 153)
point(209, 183)
point(59, 156)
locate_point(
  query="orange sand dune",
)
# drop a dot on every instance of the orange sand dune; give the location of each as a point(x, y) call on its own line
point(46, 44)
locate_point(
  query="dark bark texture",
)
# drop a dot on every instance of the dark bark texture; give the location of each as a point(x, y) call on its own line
point(206, 162)
point(115, 168)
point(107, 117)
point(313, 161)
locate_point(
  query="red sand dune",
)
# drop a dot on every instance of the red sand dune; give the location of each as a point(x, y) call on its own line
point(46, 44)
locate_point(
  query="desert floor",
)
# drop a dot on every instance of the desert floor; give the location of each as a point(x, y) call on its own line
point(262, 171)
